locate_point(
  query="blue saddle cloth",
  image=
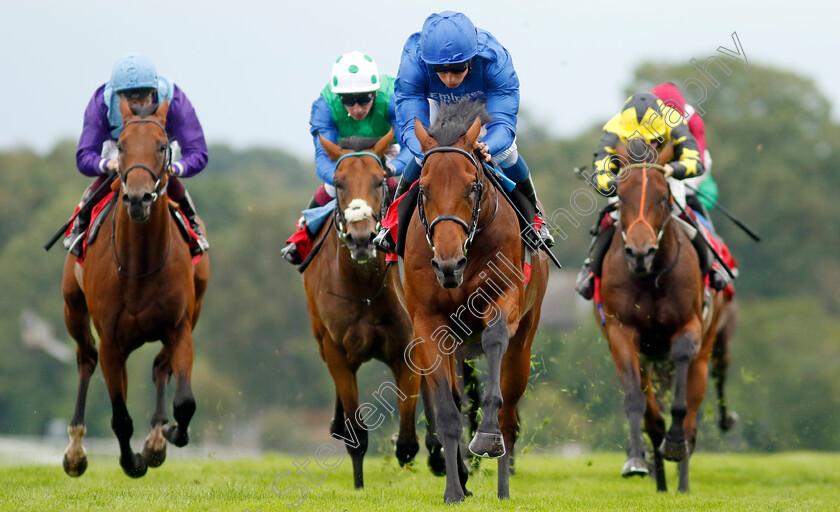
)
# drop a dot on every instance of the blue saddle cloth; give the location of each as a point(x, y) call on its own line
point(315, 217)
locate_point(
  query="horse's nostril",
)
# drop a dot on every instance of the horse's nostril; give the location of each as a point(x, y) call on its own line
point(628, 251)
point(148, 197)
point(651, 251)
point(459, 267)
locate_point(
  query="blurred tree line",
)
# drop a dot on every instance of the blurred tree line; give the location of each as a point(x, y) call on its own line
point(256, 364)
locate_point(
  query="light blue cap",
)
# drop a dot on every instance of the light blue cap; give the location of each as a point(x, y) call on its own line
point(133, 71)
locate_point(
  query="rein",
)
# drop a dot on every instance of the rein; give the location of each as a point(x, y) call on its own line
point(159, 190)
point(470, 229)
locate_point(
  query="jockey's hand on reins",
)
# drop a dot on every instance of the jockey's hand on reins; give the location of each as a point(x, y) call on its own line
point(112, 165)
point(669, 171)
point(485, 152)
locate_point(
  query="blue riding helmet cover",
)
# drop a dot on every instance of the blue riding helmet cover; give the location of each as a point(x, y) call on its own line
point(448, 37)
point(133, 71)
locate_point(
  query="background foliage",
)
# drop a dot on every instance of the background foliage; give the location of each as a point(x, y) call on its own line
point(257, 371)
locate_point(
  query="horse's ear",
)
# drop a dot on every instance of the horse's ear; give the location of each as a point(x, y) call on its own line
point(162, 110)
point(125, 110)
point(426, 140)
point(472, 134)
point(332, 149)
point(384, 143)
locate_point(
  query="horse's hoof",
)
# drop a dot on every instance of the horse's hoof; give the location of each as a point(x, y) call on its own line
point(154, 458)
point(405, 452)
point(137, 468)
point(451, 498)
point(467, 493)
point(635, 466)
point(673, 451)
point(488, 445)
point(728, 421)
point(437, 464)
point(175, 436)
point(75, 468)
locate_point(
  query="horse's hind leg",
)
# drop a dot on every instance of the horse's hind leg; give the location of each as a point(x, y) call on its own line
point(488, 440)
point(408, 384)
point(113, 368)
point(470, 391)
point(77, 320)
point(154, 451)
point(720, 365)
point(183, 406)
point(437, 464)
point(655, 427)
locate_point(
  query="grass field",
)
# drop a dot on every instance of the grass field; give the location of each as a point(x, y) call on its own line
point(736, 482)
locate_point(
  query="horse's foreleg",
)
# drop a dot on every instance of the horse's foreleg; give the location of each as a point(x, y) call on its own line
point(113, 369)
point(684, 348)
point(516, 367)
point(655, 427)
point(488, 440)
point(154, 451)
point(623, 345)
point(471, 394)
point(77, 320)
point(408, 384)
point(180, 346)
point(698, 372)
point(355, 434)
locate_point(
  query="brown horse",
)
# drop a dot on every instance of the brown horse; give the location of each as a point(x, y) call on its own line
point(138, 284)
point(652, 290)
point(356, 302)
point(463, 283)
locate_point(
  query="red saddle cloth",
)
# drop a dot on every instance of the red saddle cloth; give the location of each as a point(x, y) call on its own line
point(190, 236)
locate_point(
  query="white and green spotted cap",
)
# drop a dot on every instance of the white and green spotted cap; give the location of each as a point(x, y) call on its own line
point(354, 72)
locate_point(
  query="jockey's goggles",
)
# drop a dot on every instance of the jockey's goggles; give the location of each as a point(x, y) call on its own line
point(348, 100)
point(457, 68)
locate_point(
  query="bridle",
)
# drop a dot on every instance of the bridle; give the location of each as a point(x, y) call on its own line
point(340, 220)
point(160, 184)
point(159, 190)
point(477, 188)
point(641, 218)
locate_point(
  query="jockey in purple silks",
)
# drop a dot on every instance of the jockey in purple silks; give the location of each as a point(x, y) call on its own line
point(135, 79)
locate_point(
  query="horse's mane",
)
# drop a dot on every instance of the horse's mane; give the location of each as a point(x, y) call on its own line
point(357, 143)
point(454, 119)
point(145, 111)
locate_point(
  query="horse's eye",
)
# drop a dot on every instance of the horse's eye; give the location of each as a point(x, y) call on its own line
point(339, 185)
point(120, 147)
point(162, 148)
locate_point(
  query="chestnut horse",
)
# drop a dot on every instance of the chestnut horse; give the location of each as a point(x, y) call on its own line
point(356, 302)
point(652, 290)
point(138, 285)
point(463, 255)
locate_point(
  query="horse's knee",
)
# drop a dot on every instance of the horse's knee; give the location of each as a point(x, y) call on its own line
point(634, 402)
point(449, 423)
point(683, 348)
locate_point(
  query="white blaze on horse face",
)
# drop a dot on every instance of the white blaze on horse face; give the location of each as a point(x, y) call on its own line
point(358, 210)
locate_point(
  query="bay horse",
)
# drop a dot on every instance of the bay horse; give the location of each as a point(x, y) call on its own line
point(463, 284)
point(356, 303)
point(137, 285)
point(653, 293)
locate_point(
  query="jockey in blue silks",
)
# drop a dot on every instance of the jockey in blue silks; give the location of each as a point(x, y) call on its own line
point(135, 79)
point(448, 60)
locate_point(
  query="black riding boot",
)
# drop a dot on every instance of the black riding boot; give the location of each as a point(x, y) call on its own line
point(530, 193)
point(75, 240)
point(585, 284)
point(188, 209)
point(718, 277)
point(384, 241)
point(290, 252)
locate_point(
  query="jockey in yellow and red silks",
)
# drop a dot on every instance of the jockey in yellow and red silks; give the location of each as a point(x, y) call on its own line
point(644, 126)
point(643, 129)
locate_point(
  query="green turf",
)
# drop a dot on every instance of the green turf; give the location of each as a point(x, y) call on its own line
point(737, 482)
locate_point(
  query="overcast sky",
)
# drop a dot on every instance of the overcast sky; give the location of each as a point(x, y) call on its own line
point(253, 68)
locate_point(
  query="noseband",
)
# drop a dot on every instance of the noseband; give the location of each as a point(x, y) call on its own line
point(340, 220)
point(160, 187)
point(477, 188)
point(641, 218)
